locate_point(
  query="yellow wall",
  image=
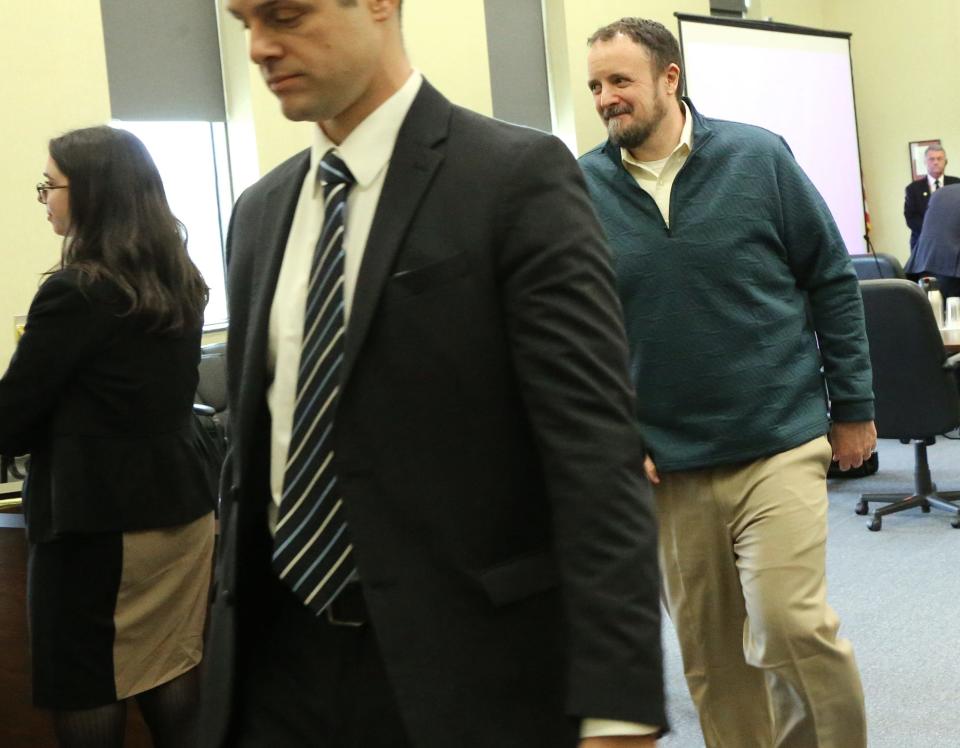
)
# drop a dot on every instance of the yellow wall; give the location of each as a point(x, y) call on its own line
point(447, 42)
point(53, 78)
point(797, 12)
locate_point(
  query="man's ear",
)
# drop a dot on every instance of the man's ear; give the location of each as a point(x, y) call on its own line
point(672, 75)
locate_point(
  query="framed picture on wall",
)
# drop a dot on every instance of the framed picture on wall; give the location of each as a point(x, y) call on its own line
point(918, 165)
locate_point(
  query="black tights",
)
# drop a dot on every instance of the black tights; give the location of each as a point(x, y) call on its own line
point(170, 711)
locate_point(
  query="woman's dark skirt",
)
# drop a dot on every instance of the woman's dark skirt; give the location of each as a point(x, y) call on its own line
point(116, 614)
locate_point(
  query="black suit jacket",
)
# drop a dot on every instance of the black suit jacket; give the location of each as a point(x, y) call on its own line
point(104, 408)
point(916, 198)
point(938, 249)
point(485, 443)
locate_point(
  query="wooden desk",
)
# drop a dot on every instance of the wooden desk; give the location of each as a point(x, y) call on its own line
point(951, 340)
point(10, 491)
point(20, 724)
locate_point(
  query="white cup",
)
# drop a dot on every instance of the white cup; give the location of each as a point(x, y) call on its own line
point(936, 303)
point(953, 312)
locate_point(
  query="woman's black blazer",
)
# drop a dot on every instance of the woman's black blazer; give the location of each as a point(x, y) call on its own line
point(104, 408)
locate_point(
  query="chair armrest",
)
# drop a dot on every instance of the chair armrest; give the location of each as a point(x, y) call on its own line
point(953, 362)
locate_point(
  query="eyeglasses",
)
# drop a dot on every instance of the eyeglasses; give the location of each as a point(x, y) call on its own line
point(42, 190)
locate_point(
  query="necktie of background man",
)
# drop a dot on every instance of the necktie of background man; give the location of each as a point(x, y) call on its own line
point(312, 548)
point(936, 185)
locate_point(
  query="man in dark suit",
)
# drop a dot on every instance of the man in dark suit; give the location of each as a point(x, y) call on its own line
point(918, 194)
point(435, 526)
point(938, 251)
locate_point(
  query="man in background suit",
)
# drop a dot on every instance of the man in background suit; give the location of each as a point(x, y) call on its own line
point(480, 481)
point(918, 192)
point(938, 250)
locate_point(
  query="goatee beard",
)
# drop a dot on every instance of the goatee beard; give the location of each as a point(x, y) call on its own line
point(634, 134)
point(630, 136)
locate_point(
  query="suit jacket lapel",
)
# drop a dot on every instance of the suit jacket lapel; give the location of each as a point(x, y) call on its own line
point(269, 247)
point(413, 164)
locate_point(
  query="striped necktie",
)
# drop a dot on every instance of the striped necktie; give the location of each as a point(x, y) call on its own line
point(312, 548)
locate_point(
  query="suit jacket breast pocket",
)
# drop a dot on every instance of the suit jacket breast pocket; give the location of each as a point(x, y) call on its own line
point(418, 280)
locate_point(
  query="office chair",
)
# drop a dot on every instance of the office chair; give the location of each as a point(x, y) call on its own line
point(210, 411)
point(915, 387)
point(212, 386)
point(874, 266)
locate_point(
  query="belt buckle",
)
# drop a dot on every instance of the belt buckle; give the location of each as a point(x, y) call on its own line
point(336, 619)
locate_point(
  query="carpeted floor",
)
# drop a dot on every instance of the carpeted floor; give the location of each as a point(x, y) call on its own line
point(897, 592)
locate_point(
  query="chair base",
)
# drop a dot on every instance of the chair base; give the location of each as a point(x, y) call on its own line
point(941, 500)
point(925, 494)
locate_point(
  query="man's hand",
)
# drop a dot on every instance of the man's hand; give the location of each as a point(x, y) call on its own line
point(626, 741)
point(651, 470)
point(853, 442)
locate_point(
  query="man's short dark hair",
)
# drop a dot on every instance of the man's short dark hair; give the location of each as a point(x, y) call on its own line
point(350, 3)
point(657, 39)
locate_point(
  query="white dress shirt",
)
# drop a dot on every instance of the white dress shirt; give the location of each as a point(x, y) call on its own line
point(656, 177)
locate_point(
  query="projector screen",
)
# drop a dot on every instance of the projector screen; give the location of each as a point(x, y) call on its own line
point(794, 81)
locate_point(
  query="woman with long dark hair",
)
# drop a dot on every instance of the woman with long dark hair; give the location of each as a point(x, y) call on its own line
point(117, 505)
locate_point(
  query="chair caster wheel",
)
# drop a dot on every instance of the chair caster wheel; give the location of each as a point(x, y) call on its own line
point(861, 507)
point(925, 508)
point(956, 523)
point(875, 524)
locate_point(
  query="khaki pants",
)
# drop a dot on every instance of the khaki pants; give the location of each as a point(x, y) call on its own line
point(742, 549)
